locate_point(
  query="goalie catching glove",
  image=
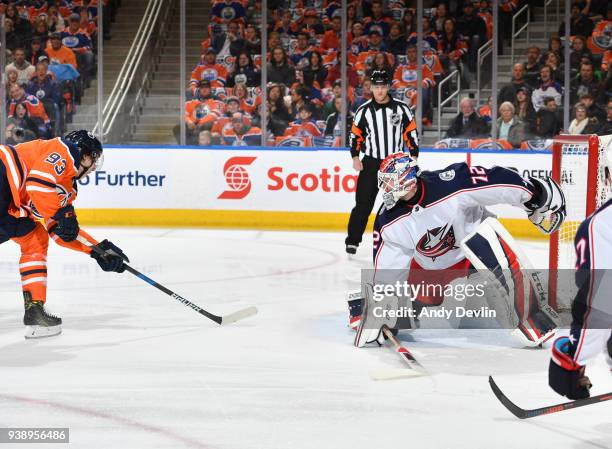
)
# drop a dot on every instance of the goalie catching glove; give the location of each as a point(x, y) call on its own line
point(111, 259)
point(547, 203)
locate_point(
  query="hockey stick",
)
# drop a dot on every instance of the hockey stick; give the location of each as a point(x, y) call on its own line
point(524, 413)
point(225, 319)
point(415, 368)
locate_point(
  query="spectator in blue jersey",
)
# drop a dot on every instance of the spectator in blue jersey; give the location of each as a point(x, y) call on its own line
point(44, 87)
point(80, 43)
point(377, 21)
point(302, 51)
point(226, 11)
point(244, 69)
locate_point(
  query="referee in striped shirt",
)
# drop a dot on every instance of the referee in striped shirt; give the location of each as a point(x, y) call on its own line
point(382, 126)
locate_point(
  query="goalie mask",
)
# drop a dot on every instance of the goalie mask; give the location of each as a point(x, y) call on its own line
point(397, 176)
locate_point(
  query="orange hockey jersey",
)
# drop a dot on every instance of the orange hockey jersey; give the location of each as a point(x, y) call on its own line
point(41, 178)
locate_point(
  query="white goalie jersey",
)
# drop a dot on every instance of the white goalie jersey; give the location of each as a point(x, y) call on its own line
point(448, 205)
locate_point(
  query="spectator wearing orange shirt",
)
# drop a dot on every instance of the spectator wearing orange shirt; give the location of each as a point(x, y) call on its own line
point(35, 109)
point(210, 71)
point(331, 37)
point(200, 113)
point(304, 125)
point(58, 53)
point(241, 132)
point(405, 76)
point(232, 105)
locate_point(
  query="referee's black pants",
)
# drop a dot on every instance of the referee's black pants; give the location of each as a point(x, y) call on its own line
point(365, 196)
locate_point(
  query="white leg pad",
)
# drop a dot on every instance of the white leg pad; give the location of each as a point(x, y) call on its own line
point(515, 285)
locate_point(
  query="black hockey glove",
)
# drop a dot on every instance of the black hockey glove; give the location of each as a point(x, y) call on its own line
point(565, 376)
point(112, 259)
point(67, 227)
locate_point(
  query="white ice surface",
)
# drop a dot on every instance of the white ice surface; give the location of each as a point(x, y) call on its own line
point(133, 368)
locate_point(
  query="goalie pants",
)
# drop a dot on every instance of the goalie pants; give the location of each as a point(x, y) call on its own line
point(32, 238)
point(436, 280)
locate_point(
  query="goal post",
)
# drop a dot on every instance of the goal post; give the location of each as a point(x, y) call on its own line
point(578, 167)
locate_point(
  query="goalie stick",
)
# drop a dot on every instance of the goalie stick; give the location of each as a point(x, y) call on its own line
point(415, 368)
point(524, 413)
point(221, 320)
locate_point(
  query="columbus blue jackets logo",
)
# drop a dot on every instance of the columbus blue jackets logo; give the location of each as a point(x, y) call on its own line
point(437, 242)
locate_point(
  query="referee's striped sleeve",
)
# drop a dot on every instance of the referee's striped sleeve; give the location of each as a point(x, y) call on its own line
point(409, 131)
point(357, 138)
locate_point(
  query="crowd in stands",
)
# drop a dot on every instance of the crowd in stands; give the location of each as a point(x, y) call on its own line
point(304, 59)
point(531, 105)
point(51, 51)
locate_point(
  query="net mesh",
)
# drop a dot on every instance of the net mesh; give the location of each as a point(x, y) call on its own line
point(575, 182)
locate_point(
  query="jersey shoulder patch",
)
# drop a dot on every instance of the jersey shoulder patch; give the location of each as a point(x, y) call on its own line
point(438, 184)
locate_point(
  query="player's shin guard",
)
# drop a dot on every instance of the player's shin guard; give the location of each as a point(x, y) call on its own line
point(515, 291)
point(33, 262)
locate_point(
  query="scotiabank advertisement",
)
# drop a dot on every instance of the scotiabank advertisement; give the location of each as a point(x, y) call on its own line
point(258, 179)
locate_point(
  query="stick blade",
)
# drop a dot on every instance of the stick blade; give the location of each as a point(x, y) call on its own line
point(394, 374)
point(511, 406)
point(239, 315)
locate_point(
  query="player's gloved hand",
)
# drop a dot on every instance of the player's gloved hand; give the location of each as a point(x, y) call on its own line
point(67, 227)
point(565, 376)
point(548, 201)
point(112, 258)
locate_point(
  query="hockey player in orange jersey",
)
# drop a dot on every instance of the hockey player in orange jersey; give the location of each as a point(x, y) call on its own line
point(37, 189)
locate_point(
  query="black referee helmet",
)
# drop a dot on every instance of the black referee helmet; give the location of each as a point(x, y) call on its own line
point(380, 78)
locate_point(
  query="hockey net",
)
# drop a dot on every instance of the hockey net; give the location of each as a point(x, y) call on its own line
point(579, 168)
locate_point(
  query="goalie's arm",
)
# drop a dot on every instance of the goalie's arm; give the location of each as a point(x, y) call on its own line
point(500, 185)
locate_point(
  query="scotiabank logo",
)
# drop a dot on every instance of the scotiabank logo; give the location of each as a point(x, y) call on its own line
point(237, 178)
point(326, 180)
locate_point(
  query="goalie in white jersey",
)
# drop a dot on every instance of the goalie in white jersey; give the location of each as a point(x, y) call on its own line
point(436, 221)
point(591, 329)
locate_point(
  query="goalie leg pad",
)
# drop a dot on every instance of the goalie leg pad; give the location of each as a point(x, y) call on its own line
point(355, 305)
point(495, 254)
